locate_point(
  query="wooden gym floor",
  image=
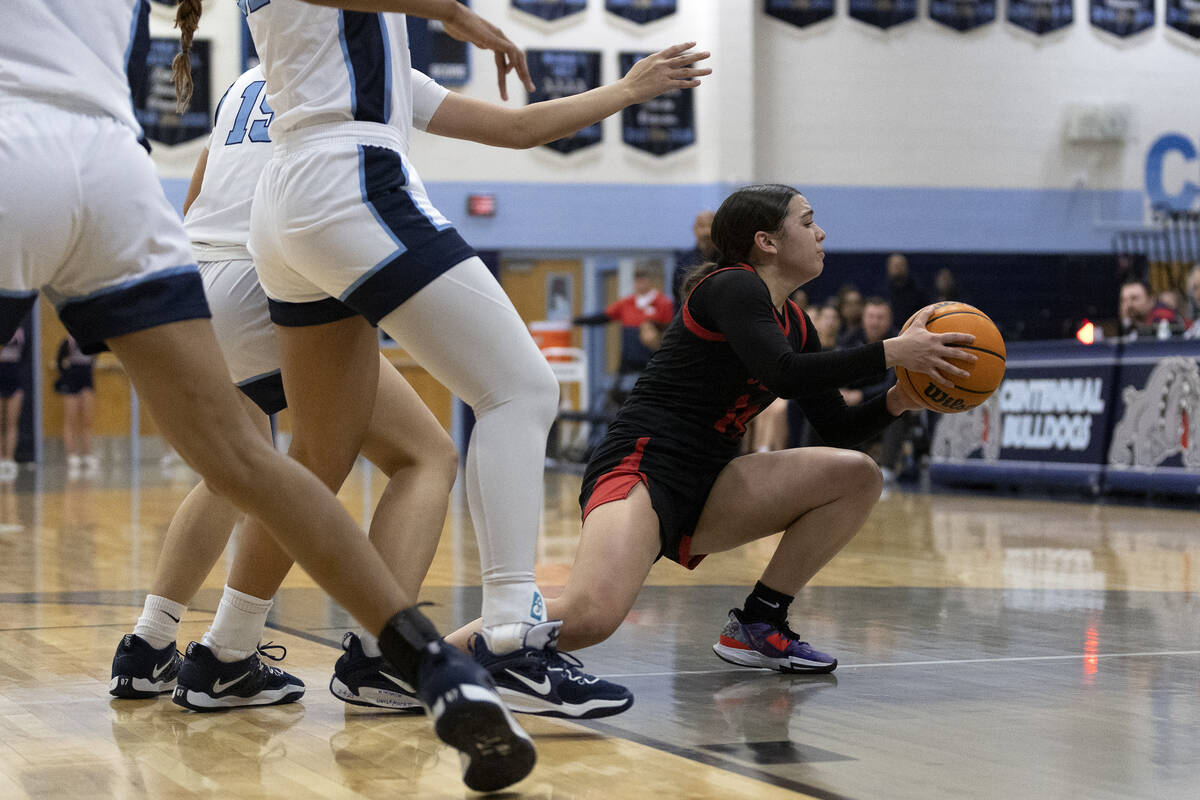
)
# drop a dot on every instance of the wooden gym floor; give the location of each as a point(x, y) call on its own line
point(990, 647)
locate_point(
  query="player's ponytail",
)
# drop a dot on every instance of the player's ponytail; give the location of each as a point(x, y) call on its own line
point(744, 213)
point(187, 19)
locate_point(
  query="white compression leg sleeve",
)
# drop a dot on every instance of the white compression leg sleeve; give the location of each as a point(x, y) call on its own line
point(464, 330)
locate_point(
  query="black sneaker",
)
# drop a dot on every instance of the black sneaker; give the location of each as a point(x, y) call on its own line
point(207, 684)
point(139, 671)
point(469, 716)
point(362, 680)
point(537, 679)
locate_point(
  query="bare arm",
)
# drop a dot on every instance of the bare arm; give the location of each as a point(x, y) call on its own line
point(197, 180)
point(461, 23)
point(461, 117)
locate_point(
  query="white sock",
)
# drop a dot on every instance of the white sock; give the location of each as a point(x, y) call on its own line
point(238, 626)
point(515, 608)
point(370, 645)
point(159, 622)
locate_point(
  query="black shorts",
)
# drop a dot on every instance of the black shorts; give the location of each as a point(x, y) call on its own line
point(678, 485)
point(74, 380)
point(10, 378)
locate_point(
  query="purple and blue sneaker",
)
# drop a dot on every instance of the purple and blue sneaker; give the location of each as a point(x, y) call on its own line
point(769, 645)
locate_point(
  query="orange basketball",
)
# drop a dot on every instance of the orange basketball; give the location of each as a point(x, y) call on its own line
point(986, 373)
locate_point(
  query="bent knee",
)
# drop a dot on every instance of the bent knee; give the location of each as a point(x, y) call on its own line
point(862, 474)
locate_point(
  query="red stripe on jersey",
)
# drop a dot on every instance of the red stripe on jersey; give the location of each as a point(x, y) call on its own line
point(617, 483)
point(803, 325)
point(690, 322)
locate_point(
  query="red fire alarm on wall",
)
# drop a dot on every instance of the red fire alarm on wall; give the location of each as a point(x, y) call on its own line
point(481, 205)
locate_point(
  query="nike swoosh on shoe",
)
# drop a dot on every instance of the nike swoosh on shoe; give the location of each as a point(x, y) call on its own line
point(154, 673)
point(398, 682)
point(540, 688)
point(219, 686)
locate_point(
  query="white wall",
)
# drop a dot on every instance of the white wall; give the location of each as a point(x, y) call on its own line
point(923, 105)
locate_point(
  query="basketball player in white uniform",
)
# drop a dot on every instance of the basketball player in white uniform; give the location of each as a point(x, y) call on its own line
point(83, 217)
point(344, 237)
point(402, 430)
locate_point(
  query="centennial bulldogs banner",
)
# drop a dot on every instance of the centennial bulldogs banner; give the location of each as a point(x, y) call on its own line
point(883, 13)
point(1106, 417)
point(1040, 16)
point(661, 125)
point(1122, 17)
point(436, 53)
point(154, 101)
point(641, 11)
point(800, 12)
point(962, 15)
point(561, 73)
point(550, 10)
point(1184, 16)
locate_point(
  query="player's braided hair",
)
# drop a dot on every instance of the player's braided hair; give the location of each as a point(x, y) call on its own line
point(187, 19)
point(744, 213)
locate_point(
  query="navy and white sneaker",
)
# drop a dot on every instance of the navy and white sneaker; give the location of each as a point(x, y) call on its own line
point(769, 645)
point(140, 672)
point(362, 680)
point(469, 716)
point(208, 684)
point(537, 679)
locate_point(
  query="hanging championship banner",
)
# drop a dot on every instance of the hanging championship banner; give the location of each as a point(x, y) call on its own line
point(1184, 16)
point(436, 53)
point(962, 15)
point(800, 12)
point(155, 107)
point(641, 11)
point(1122, 17)
point(1040, 16)
point(661, 125)
point(562, 73)
point(883, 13)
point(550, 10)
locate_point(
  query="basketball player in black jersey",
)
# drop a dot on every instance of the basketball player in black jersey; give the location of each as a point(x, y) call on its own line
point(667, 479)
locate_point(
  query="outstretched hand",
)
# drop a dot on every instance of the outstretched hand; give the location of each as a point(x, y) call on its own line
point(672, 68)
point(921, 350)
point(467, 26)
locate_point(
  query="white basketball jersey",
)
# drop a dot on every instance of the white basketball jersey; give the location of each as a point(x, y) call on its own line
point(327, 65)
point(218, 221)
point(68, 53)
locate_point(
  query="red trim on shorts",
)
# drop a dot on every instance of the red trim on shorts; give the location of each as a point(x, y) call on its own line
point(617, 483)
point(685, 553)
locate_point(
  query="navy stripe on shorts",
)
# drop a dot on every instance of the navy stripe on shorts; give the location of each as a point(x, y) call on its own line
point(172, 295)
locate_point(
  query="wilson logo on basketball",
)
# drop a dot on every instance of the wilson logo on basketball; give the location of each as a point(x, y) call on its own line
point(943, 400)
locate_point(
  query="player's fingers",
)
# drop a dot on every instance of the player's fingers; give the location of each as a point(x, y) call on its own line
point(956, 338)
point(937, 377)
point(522, 67)
point(502, 69)
point(688, 74)
point(676, 49)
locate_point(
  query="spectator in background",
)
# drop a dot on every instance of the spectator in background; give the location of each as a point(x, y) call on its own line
point(12, 394)
point(1134, 308)
point(642, 315)
point(1191, 307)
point(945, 287)
point(75, 385)
point(877, 325)
point(906, 297)
point(828, 323)
point(702, 253)
point(850, 307)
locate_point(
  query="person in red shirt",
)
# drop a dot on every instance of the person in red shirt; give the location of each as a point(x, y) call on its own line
point(639, 340)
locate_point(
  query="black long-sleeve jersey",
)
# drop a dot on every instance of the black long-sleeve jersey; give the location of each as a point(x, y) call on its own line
point(726, 355)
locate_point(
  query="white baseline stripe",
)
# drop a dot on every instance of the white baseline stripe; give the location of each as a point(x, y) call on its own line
point(1077, 656)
